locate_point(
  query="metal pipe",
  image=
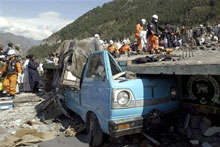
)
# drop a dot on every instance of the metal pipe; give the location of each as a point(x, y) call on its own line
point(151, 139)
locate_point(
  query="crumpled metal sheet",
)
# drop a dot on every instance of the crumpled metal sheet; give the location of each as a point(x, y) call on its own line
point(74, 55)
point(82, 50)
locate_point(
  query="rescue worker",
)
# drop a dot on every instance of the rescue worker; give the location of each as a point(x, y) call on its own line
point(10, 46)
point(26, 84)
point(13, 70)
point(34, 77)
point(125, 49)
point(18, 50)
point(153, 33)
point(139, 28)
point(112, 48)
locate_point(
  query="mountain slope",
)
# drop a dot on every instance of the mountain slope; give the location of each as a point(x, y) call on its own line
point(25, 43)
point(117, 19)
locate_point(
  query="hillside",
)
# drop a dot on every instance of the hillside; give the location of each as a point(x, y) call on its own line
point(117, 19)
point(25, 43)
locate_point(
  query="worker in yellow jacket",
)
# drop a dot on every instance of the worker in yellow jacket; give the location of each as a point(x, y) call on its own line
point(12, 68)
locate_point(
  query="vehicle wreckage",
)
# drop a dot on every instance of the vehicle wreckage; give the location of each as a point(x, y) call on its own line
point(108, 99)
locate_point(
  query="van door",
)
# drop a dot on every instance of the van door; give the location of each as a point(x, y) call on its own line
point(95, 89)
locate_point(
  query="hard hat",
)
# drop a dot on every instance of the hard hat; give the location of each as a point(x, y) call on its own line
point(96, 35)
point(143, 21)
point(2, 56)
point(111, 42)
point(11, 52)
point(101, 41)
point(155, 16)
point(124, 41)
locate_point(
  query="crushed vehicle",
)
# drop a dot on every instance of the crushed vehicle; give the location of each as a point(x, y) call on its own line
point(109, 100)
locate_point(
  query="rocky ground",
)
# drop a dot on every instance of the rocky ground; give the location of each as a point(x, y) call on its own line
point(31, 122)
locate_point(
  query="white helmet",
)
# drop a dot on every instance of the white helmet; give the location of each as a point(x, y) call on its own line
point(96, 35)
point(2, 56)
point(124, 41)
point(143, 21)
point(111, 42)
point(11, 52)
point(101, 41)
point(155, 16)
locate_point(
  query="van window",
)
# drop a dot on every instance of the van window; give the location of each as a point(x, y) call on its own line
point(114, 67)
point(96, 68)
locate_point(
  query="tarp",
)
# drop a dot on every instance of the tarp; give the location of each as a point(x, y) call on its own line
point(74, 55)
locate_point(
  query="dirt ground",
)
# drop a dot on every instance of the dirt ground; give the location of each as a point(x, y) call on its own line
point(25, 116)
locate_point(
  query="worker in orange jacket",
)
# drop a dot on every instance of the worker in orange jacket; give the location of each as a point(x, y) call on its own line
point(13, 69)
point(153, 33)
point(125, 49)
point(139, 28)
point(113, 49)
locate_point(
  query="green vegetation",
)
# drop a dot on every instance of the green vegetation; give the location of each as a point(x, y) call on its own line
point(43, 51)
point(117, 19)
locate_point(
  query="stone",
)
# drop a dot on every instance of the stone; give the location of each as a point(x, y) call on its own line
point(211, 131)
point(195, 121)
point(202, 48)
point(208, 46)
point(194, 142)
point(206, 120)
point(204, 127)
point(206, 144)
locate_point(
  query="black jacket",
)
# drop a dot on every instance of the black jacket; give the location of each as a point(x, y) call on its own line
point(154, 27)
point(33, 72)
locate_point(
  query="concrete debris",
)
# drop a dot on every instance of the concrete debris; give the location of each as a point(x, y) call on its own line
point(70, 132)
point(204, 127)
point(194, 142)
point(195, 121)
point(206, 144)
point(23, 136)
point(212, 130)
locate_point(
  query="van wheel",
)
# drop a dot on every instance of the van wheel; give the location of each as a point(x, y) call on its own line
point(94, 131)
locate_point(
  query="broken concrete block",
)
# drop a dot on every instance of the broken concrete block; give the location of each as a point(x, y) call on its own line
point(211, 131)
point(206, 120)
point(204, 127)
point(202, 47)
point(70, 132)
point(194, 142)
point(206, 144)
point(195, 121)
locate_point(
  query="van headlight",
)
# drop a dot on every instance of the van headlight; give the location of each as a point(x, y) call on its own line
point(173, 93)
point(122, 98)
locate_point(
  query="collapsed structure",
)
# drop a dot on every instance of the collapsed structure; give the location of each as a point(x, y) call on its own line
point(73, 57)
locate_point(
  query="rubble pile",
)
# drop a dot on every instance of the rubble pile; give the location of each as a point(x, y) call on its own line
point(24, 124)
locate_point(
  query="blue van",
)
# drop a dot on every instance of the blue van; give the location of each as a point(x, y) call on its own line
point(109, 102)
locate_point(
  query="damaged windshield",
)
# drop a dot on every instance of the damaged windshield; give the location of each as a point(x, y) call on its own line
point(114, 67)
